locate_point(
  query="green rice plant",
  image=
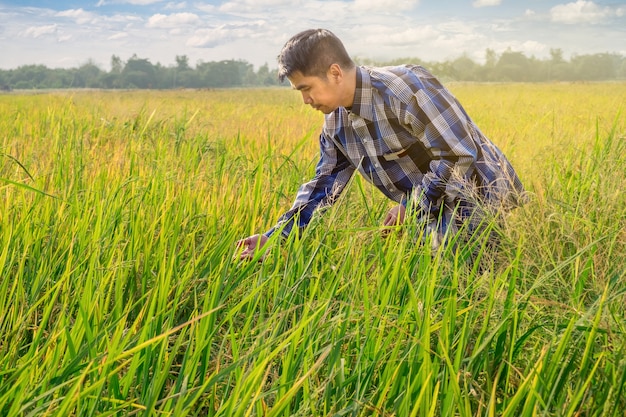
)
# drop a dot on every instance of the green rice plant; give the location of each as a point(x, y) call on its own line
point(121, 292)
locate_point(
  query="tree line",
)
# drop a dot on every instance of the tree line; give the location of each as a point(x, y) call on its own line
point(140, 73)
point(514, 66)
point(136, 72)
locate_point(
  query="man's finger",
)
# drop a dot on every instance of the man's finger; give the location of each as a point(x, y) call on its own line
point(243, 242)
point(248, 252)
point(248, 255)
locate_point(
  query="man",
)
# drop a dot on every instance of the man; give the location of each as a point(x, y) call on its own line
point(403, 131)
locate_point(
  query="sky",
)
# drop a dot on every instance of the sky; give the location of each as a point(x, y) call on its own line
point(70, 33)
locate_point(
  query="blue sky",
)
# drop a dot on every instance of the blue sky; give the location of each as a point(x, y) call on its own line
point(68, 33)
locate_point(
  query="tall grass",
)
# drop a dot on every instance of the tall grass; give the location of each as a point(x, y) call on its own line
point(120, 294)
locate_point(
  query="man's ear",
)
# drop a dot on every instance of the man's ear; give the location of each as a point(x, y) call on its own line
point(335, 73)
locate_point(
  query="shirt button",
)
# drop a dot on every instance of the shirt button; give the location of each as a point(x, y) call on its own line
point(376, 166)
point(393, 190)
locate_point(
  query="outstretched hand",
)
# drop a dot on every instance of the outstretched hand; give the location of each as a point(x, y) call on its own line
point(395, 217)
point(251, 245)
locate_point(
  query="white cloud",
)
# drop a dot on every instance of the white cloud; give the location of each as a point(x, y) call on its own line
point(411, 36)
point(580, 12)
point(382, 5)
point(534, 48)
point(133, 2)
point(267, 3)
point(172, 20)
point(242, 6)
point(208, 8)
point(485, 3)
point(176, 6)
point(79, 15)
point(121, 18)
point(39, 31)
point(331, 13)
point(212, 37)
point(120, 35)
point(209, 38)
point(428, 42)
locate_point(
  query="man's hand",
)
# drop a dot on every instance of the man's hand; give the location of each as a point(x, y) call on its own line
point(395, 217)
point(251, 245)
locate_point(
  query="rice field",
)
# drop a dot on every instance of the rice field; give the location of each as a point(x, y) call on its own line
point(121, 292)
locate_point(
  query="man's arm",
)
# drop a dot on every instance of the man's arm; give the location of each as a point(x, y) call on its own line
point(332, 173)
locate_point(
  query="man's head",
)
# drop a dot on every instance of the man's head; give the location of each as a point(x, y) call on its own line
point(311, 53)
point(317, 65)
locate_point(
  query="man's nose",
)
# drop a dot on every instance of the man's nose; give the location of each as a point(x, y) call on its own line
point(306, 98)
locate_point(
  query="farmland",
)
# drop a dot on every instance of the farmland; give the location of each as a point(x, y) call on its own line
point(121, 292)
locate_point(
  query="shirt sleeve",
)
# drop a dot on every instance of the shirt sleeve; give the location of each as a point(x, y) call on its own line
point(436, 118)
point(332, 173)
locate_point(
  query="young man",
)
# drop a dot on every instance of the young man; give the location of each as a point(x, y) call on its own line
point(403, 131)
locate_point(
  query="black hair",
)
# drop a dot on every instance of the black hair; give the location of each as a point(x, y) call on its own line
point(312, 52)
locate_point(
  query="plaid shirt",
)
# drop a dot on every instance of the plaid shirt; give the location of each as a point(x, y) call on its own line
point(411, 138)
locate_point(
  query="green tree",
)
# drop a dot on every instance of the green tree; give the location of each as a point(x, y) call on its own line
point(29, 76)
point(113, 79)
point(491, 58)
point(557, 68)
point(116, 65)
point(182, 75)
point(227, 73)
point(464, 68)
point(513, 66)
point(88, 75)
point(595, 67)
point(486, 71)
point(182, 63)
point(59, 78)
point(138, 73)
point(265, 77)
point(621, 72)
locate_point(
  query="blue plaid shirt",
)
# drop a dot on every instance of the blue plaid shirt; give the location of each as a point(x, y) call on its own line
point(410, 137)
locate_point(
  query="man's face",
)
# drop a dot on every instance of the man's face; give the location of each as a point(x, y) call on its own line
point(320, 93)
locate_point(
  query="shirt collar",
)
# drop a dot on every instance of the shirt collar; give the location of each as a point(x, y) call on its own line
point(362, 103)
